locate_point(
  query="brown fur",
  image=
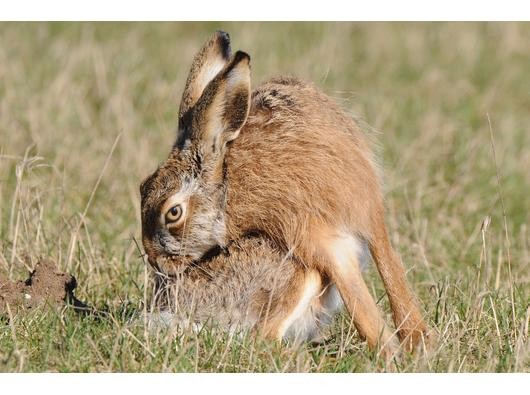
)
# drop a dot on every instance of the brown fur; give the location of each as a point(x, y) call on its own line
point(250, 285)
point(299, 172)
point(331, 183)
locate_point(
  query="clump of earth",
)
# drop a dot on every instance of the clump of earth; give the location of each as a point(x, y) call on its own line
point(44, 286)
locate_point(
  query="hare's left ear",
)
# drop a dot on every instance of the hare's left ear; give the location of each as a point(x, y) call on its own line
point(207, 63)
point(224, 105)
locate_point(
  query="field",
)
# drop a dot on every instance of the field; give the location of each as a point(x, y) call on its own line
point(88, 110)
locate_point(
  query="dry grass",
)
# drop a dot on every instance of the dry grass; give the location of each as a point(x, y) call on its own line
point(88, 110)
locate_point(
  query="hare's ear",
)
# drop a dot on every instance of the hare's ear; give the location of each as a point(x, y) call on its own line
point(223, 107)
point(207, 63)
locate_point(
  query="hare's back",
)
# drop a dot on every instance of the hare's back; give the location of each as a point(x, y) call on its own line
point(297, 107)
point(299, 154)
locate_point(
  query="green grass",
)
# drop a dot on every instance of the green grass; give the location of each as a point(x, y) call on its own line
point(68, 90)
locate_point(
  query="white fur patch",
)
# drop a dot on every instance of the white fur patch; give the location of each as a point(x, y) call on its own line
point(301, 323)
point(239, 75)
point(331, 302)
point(209, 72)
point(346, 248)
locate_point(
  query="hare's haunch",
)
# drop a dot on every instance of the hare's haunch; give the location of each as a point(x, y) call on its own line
point(250, 285)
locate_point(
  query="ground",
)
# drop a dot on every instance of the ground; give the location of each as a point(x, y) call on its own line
point(88, 110)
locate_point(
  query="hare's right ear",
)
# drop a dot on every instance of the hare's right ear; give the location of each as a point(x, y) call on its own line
point(207, 63)
point(223, 107)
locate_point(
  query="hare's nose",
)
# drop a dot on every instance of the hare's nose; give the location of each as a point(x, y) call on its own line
point(168, 243)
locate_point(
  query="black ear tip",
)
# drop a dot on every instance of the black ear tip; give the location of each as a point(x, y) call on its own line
point(224, 35)
point(240, 55)
point(224, 42)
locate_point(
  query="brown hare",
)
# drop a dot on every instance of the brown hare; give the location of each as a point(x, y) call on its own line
point(250, 285)
point(284, 162)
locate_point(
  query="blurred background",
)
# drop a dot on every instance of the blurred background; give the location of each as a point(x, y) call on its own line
point(423, 91)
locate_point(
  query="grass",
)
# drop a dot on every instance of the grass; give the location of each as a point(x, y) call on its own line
point(458, 214)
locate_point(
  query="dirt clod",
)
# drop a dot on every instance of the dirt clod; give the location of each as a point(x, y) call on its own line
point(45, 285)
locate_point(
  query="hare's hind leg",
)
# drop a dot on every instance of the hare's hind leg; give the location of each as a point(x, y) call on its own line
point(343, 253)
point(406, 313)
point(290, 315)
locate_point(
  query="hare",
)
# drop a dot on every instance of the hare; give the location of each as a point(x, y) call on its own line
point(284, 162)
point(250, 285)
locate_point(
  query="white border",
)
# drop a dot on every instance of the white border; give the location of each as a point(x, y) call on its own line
point(257, 384)
point(277, 10)
point(282, 10)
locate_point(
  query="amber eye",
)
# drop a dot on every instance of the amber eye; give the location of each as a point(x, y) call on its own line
point(174, 214)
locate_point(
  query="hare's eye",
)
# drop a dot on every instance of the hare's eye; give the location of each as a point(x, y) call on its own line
point(174, 214)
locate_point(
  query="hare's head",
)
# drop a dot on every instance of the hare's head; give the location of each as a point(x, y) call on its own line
point(183, 201)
